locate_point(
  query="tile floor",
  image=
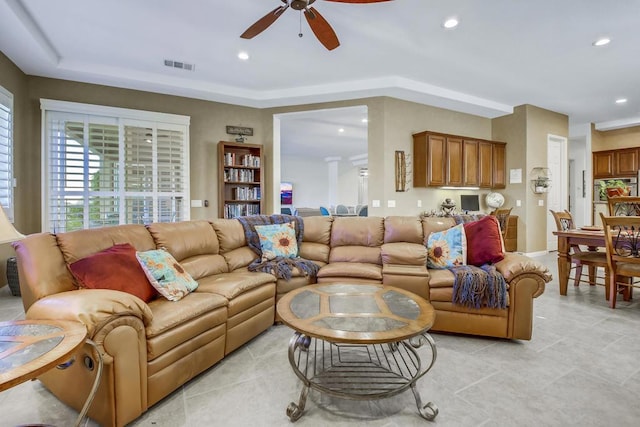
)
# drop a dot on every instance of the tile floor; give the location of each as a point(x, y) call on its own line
point(580, 369)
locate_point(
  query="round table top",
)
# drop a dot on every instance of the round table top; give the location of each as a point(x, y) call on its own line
point(29, 348)
point(356, 313)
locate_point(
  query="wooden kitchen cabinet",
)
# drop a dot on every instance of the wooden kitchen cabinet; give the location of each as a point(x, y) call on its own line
point(441, 159)
point(626, 162)
point(603, 164)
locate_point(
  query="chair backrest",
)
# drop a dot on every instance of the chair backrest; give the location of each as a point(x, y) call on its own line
point(624, 205)
point(324, 211)
point(502, 215)
point(564, 220)
point(363, 211)
point(622, 240)
point(342, 210)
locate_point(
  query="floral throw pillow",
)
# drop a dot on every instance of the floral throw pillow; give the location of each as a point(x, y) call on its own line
point(165, 274)
point(277, 240)
point(447, 248)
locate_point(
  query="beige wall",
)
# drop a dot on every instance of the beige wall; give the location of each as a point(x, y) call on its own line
point(615, 139)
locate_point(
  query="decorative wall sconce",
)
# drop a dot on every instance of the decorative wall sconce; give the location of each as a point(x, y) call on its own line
point(540, 179)
point(402, 171)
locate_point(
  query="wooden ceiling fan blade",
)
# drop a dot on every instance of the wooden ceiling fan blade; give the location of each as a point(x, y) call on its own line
point(321, 29)
point(263, 23)
point(358, 1)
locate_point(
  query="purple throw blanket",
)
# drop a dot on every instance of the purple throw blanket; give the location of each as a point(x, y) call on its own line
point(476, 287)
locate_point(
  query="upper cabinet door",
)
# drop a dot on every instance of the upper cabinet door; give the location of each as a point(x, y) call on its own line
point(603, 164)
point(626, 162)
point(486, 164)
point(471, 170)
point(436, 165)
point(499, 165)
point(454, 161)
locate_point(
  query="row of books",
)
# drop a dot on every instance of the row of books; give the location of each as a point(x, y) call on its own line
point(233, 159)
point(235, 210)
point(246, 193)
point(239, 175)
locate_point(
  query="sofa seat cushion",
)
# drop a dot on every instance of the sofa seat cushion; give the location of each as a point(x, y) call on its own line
point(440, 278)
point(230, 285)
point(441, 306)
point(170, 314)
point(358, 270)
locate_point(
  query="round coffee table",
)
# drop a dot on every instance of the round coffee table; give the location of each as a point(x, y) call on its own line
point(357, 341)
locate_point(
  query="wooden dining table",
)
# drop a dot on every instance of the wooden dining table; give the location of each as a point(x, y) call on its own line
point(591, 237)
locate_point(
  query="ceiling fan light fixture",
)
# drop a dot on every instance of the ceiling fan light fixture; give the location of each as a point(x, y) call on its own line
point(450, 23)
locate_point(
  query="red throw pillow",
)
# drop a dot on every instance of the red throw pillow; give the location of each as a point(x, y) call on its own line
point(115, 268)
point(484, 241)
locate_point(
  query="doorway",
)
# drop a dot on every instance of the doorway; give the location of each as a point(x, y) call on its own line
point(558, 195)
point(321, 153)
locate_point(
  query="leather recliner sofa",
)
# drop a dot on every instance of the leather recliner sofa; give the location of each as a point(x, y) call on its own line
point(151, 349)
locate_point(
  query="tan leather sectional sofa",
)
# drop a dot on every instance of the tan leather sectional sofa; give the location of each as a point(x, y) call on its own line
point(151, 349)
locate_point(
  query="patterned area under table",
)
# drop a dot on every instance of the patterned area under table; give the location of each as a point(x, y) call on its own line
point(358, 341)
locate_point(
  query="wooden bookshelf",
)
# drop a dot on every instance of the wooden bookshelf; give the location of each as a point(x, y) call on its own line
point(240, 179)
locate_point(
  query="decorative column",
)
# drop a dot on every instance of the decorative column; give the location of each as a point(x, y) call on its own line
point(332, 179)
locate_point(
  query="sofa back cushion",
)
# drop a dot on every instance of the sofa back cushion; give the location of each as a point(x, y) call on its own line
point(42, 268)
point(194, 244)
point(316, 239)
point(433, 224)
point(403, 229)
point(357, 239)
point(233, 243)
point(79, 244)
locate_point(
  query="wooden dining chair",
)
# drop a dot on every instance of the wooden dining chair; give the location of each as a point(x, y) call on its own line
point(622, 239)
point(579, 258)
point(623, 205)
point(502, 215)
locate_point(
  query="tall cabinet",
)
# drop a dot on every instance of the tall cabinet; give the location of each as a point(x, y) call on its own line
point(240, 179)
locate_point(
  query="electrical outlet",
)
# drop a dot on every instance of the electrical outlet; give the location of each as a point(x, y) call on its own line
point(518, 203)
point(419, 203)
point(541, 202)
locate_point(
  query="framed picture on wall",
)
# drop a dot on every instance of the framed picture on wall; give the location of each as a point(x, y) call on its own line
point(286, 193)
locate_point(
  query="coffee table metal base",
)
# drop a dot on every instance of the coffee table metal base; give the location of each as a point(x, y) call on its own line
point(359, 371)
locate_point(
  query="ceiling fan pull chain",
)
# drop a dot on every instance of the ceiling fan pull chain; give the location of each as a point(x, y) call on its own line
point(300, 33)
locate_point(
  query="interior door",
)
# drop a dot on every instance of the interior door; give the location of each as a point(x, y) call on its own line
point(557, 197)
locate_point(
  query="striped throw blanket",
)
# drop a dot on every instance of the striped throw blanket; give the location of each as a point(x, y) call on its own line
point(477, 287)
point(280, 267)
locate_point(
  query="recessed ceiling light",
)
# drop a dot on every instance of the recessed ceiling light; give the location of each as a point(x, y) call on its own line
point(365, 120)
point(243, 55)
point(341, 130)
point(450, 23)
point(621, 100)
point(602, 41)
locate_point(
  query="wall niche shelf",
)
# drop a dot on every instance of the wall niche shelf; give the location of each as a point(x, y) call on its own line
point(240, 179)
point(540, 179)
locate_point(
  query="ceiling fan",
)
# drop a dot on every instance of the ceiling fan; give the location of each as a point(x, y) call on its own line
point(318, 24)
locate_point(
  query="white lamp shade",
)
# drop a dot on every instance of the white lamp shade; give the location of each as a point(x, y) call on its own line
point(7, 232)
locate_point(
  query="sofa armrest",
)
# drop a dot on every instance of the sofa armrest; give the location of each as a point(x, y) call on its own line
point(515, 264)
point(92, 307)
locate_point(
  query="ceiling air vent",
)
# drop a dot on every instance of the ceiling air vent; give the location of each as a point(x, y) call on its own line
point(179, 64)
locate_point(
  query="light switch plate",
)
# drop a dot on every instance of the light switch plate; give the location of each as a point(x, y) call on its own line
point(419, 203)
point(540, 202)
point(375, 203)
point(391, 203)
point(518, 203)
point(196, 203)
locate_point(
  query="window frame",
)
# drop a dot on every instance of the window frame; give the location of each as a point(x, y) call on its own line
point(7, 99)
point(123, 117)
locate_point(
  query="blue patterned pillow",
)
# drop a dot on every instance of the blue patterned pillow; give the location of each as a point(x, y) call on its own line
point(447, 248)
point(165, 274)
point(277, 240)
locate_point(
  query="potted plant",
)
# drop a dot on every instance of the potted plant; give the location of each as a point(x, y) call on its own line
point(613, 187)
point(541, 184)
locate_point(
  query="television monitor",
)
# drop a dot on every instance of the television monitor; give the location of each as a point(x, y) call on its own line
point(286, 193)
point(470, 202)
